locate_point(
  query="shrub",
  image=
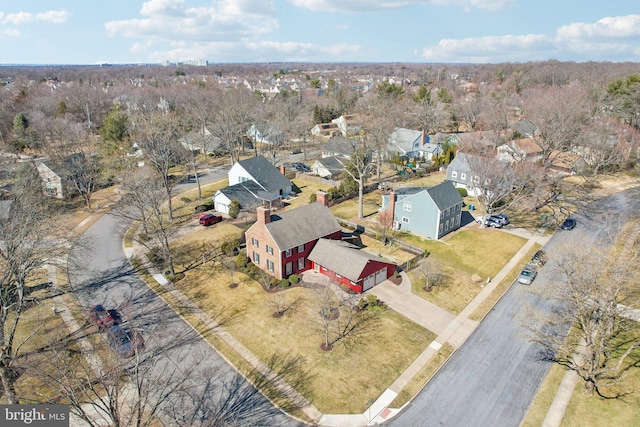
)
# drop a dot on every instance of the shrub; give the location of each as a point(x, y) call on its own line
point(313, 197)
point(462, 191)
point(185, 199)
point(284, 283)
point(293, 279)
point(242, 260)
point(234, 209)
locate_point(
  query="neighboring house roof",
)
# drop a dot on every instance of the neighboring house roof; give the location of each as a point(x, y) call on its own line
point(265, 174)
point(565, 160)
point(524, 128)
point(331, 164)
point(341, 145)
point(301, 225)
point(440, 138)
point(249, 194)
point(342, 258)
point(527, 145)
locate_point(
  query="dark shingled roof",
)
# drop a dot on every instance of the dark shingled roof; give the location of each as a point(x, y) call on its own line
point(342, 258)
point(445, 195)
point(301, 225)
point(249, 194)
point(265, 174)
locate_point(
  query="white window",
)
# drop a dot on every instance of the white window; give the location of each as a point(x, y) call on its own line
point(270, 265)
point(405, 220)
point(301, 248)
point(454, 174)
point(255, 242)
point(256, 258)
point(406, 206)
point(269, 250)
point(463, 176)
point(288, 268)
point(300, 263)
point(446, 225)
point(287, 253)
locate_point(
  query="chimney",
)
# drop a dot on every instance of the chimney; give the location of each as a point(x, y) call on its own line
point(322, 197)
point(282, 170)
point(392, 206)
point(264, 215)
point(424, 137)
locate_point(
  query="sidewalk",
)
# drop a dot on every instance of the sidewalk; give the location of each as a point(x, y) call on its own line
point(450, 328)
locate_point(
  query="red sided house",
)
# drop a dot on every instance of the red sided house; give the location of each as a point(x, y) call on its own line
point(282, 244)
point(347, 264)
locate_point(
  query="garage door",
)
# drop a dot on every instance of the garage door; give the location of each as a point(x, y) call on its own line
point(369, 281)
point(381, 276)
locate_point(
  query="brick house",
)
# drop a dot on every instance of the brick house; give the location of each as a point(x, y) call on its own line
point(347, 264)
point(280, 243)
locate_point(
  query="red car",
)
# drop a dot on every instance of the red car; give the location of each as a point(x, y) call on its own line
point(209, 219)
point(101, 318)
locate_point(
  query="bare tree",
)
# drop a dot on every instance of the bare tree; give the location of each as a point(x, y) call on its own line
point(359, 167)
point(431, 273)
point(606, 144)
point(499, 184)
point(600, 285)
point(337, 320)
point(156, 135)
point(283, 306)
point(30, 238)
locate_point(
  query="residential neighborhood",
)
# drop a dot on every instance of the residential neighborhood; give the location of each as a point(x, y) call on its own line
point(319, 246)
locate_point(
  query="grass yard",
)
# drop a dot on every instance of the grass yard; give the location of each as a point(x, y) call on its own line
point(460, 257)
point(363, 372)
point(390, 252)
point(307, 188)
point(349, 209)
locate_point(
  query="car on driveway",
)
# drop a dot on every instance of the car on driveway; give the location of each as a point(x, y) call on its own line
point(528, 273)
point(102, 318)
point(501, 218)
point(539, 258)
point(492, 222)
point(124, 343)
point(568, 224)
point(210, 219)
point(301, 167)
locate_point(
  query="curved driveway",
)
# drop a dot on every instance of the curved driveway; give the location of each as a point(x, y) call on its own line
point(213, 390)
point(492, 379)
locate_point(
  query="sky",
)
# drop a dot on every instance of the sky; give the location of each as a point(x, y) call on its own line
point(329, 31)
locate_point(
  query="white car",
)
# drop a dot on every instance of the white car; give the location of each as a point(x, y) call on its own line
point(527, 274)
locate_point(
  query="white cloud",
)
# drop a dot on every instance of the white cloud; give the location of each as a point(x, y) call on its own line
point(171, 20)
point(609, 27)
point(609, 37)
point(9, 32)
point(19, 18)
point(373, 5)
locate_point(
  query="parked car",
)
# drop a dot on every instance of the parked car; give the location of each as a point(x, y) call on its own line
point(301, 167)
point(102, 318)
point(501, 218)
point(492, 222)
point(527, 274)
point(568, 224)
point(209, 219)
point(539, 258)
point(123, 343)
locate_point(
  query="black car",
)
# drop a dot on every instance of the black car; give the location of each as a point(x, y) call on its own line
point(301, 167)
point(123, 342)
point(568, 224)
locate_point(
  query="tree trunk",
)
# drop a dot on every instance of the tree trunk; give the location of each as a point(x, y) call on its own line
point(360, 198)
point(8, 385)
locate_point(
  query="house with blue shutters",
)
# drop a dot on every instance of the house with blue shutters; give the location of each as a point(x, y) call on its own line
point(430, 212)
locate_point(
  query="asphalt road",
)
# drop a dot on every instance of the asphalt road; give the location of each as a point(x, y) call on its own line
point(492, 379)
point(209, 388)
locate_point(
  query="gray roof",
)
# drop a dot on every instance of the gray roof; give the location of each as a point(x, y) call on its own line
point(331, 164)
point(301, 225)
point(249, 194)
point(265, 174)
point(445, 195)
point(342, 258)
point(341, 145)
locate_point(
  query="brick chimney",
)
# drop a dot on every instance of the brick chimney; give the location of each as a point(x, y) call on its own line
point(283, 170)
point(264, 215)
point(392, 206)
point(424, 137)
point(322, 197)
